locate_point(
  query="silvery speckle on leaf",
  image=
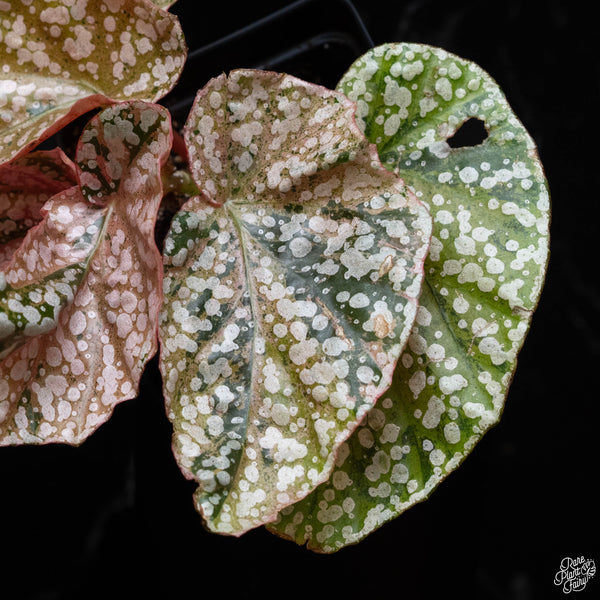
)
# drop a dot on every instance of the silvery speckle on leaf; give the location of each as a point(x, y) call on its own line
point(291, 286)
point(483, 277)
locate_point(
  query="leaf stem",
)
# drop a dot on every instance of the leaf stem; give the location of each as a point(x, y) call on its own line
point(178, 181)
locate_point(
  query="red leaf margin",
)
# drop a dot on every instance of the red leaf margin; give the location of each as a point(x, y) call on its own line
point(25, 185)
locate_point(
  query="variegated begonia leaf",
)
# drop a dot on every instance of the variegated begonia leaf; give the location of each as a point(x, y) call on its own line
point(25, 185)
point(79, 298)
point(62, 58)
point(483, 278)
point(291, 285)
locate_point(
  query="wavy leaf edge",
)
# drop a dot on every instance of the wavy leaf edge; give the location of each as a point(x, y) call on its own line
point(63, 381)
point(299, 319)
point(434, 421)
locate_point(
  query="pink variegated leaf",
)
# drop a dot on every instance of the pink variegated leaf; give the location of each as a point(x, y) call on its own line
point(25, 185)
point(80, 296)
point(61, 59)
point(45, 171)
point(291, 285)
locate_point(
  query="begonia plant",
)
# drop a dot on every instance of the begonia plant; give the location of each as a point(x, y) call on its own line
point(340, 298)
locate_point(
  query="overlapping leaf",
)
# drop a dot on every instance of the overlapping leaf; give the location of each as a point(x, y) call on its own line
point(290, 290)
point(25, 185)
point(79, 297)
point(483, 278)
point(61, 59)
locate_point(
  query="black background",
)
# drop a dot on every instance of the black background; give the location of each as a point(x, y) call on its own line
point(114, 518)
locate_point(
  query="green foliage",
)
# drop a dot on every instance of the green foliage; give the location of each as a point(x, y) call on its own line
point(287, 304)
point(344, 290)
point(483, 277)
point(62, 59)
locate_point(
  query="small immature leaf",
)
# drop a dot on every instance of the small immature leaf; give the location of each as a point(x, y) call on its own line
point(290, 289)
point(483, 278)
point(79, 298)
point(25, 185)
point(61, 59)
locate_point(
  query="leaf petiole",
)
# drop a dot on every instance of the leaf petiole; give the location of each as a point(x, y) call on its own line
point(178, 181)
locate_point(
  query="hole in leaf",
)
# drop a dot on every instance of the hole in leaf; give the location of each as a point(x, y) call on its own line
point(471, 133)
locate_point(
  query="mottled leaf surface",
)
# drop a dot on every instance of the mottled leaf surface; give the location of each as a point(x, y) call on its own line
point(61, 59)
point(290, 289)
point(25, 185)
point(79, 298)
point(483, 278)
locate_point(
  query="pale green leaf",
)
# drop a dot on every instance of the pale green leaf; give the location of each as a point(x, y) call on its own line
point(483, 278)
point(290, 289)
point(79, 297)
point(61, 59)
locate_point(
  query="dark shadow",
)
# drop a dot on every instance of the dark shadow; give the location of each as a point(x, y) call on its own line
point(471, 133)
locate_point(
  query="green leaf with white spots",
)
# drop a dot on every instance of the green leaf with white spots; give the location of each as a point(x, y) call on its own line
point(483, 278)
point(290, 287)
point(79, 297)
point(61, 59)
